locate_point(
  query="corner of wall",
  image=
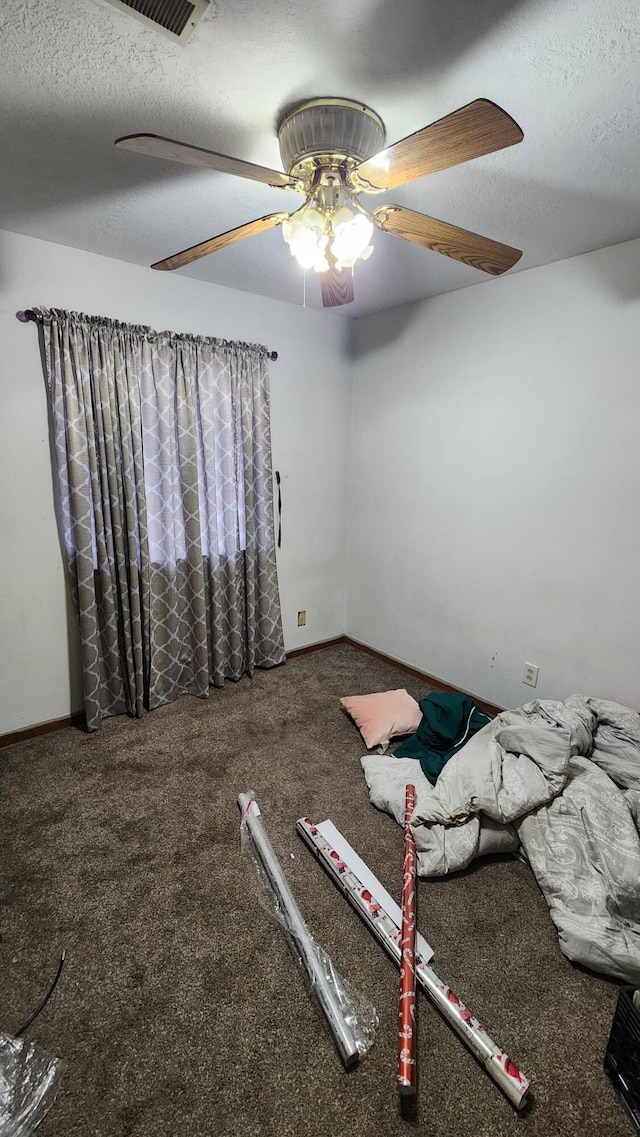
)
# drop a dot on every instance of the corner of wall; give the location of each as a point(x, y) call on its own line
point(351, 351)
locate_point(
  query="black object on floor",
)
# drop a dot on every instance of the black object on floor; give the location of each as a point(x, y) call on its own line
point(622, 1060)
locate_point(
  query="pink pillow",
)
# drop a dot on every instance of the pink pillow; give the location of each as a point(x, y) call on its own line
point(383, 715)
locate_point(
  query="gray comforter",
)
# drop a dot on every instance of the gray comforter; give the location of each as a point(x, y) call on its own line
point(559, 782)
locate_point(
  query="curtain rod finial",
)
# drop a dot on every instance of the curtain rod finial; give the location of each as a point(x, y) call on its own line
point(26, 316)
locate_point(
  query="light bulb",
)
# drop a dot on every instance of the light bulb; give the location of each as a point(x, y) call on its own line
point(313, 219)
point(291, 228)
point(305, 249)
point(351, 239)
point(305, 234)
point(342, 216)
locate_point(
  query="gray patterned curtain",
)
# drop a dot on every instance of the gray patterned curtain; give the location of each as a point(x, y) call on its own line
point(163, 458)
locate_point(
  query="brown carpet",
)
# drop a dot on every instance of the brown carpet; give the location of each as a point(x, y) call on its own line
point(180, 1009)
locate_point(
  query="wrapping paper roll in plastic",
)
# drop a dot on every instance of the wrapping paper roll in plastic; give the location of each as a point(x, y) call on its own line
point(501, 1068)
point(28, 1084)
point(351, 1018)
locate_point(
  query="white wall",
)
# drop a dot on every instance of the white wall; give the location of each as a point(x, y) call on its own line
point(494, 472)
point(495, 482)
point(39, 675)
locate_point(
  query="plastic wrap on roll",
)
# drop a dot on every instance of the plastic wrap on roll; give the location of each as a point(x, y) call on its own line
point(351, 1018)
point(29, 1080)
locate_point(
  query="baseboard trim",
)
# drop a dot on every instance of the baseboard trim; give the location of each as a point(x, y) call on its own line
point(77, 719)
point(433, 680)
point(315, 647)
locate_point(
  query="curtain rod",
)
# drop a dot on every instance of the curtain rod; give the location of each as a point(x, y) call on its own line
point(30, 317)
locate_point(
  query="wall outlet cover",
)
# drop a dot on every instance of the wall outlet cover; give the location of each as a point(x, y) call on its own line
point(530, 675)
point(302, 619)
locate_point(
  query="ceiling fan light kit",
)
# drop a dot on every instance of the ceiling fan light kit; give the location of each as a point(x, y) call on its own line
point(333, 152)
point(321, 235)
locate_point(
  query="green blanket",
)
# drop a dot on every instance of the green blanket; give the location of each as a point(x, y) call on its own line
point(449, 719)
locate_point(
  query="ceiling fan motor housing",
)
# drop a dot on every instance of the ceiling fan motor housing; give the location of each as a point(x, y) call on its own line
point(327, 132)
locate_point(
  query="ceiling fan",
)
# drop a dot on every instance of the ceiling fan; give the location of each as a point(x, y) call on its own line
point(333, 152)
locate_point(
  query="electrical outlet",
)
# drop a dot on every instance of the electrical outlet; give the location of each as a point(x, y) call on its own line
point(302, 619)
point(530, 675)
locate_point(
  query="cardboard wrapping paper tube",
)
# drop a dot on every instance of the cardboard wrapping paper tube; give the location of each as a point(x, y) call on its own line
point(407, 1064)
point(513, 1083)
point(323, 988)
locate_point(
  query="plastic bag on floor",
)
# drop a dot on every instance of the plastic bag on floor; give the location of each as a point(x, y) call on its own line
point(29, 1080)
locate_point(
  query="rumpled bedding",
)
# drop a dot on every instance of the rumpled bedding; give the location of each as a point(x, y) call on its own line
point(559, 782)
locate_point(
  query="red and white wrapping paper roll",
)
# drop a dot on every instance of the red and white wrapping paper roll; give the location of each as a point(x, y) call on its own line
point(407, 1006)
point(513, 1083)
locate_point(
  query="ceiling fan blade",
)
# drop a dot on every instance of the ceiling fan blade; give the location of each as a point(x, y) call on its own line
point(160, 147)
point(337, 286)
point(479, 252)
point(179, 260)
point(479, 128)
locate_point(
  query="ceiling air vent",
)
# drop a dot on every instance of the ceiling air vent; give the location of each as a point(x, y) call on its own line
point(177, 19)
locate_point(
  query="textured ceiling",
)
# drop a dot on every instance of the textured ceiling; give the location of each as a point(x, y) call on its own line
point(77, 74)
